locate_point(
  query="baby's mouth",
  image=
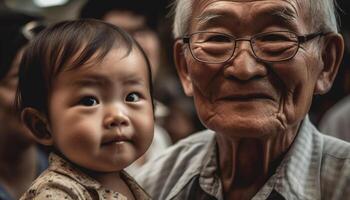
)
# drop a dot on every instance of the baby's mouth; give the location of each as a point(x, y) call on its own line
point(116, 139)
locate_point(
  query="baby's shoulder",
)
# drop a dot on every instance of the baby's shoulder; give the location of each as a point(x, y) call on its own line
point(53, 185)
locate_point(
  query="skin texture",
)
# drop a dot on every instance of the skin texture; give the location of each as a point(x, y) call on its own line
point(101, 116)
point(255, 107)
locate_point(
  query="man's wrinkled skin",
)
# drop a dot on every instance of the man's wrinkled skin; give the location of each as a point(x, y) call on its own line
point(255, 107)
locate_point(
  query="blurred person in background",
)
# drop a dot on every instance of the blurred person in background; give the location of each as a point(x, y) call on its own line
point(21, 161)
point(139, 19)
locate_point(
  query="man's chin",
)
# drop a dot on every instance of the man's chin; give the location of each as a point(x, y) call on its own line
point(247, 127)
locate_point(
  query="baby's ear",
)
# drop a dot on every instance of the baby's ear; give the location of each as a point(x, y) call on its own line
point(37, 123)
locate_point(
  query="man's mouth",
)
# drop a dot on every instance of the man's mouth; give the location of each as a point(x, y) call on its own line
point(246, 97)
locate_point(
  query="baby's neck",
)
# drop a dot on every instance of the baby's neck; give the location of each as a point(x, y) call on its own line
point(114, 182)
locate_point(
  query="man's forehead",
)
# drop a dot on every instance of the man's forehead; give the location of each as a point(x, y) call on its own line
point(200, 5)
point(206, 10)
point(199, 2)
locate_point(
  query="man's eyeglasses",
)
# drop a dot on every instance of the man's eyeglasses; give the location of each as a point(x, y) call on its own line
point(214, 47)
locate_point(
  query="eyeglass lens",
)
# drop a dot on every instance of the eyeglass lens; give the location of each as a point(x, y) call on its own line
point(216, 48)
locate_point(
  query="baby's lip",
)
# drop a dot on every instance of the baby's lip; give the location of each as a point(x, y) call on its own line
point(115, 138)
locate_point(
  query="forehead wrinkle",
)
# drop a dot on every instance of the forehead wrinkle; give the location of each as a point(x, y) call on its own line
point(286, 14)
point(287, 11)
point(210, 14)
point(207, 18)
point(214, 13)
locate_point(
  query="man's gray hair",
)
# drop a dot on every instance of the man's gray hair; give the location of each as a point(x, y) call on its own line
point(322, 16)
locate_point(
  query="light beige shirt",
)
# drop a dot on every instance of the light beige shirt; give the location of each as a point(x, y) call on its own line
point(316, 167)
point(63, 181)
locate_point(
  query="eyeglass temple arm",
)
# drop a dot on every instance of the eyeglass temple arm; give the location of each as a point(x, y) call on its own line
point(305, 38)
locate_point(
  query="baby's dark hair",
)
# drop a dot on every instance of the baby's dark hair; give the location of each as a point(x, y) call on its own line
point(64, 46)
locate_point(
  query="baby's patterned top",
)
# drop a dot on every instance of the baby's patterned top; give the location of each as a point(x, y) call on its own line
point(63, 181)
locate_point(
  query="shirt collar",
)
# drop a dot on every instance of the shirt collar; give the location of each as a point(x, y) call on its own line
point(197, 167)
point(297, 177)
point(209, 179)
point(62, 166)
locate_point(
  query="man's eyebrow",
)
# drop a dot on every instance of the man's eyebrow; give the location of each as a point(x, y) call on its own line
point(285, 13)
point(207, 17)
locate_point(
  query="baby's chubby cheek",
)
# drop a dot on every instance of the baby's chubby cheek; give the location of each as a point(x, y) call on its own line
point(79, 135)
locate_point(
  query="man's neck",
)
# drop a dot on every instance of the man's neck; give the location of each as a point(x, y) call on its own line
point(247, 163)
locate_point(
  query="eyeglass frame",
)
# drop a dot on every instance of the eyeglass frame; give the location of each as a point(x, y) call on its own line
point(300, 38)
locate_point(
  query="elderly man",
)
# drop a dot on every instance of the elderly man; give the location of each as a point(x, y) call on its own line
point(252, 67)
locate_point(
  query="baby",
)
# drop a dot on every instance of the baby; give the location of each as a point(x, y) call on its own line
point(85, 91)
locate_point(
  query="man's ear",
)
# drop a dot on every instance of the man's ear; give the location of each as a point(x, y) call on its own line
point(331, 56)
point(37, 123)
point(181, 67)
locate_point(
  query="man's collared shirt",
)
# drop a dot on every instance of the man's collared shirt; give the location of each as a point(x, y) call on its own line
point(63, 181)
point(316, 167)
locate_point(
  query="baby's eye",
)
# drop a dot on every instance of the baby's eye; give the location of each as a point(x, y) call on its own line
point(133, 97)
point(88, 101)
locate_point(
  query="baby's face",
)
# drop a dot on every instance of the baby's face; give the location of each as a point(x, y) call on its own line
point(101, 117)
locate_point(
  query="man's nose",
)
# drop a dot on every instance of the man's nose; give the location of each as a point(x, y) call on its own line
point(115, 116)
point(244, 65)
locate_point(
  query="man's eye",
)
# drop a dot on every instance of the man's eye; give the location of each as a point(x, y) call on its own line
point(88, 101)
point(275, 38)
point(218, 38)
point(133, 97)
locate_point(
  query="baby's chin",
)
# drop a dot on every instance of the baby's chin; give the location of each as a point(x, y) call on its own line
point(104, 168)
point(101, 165)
